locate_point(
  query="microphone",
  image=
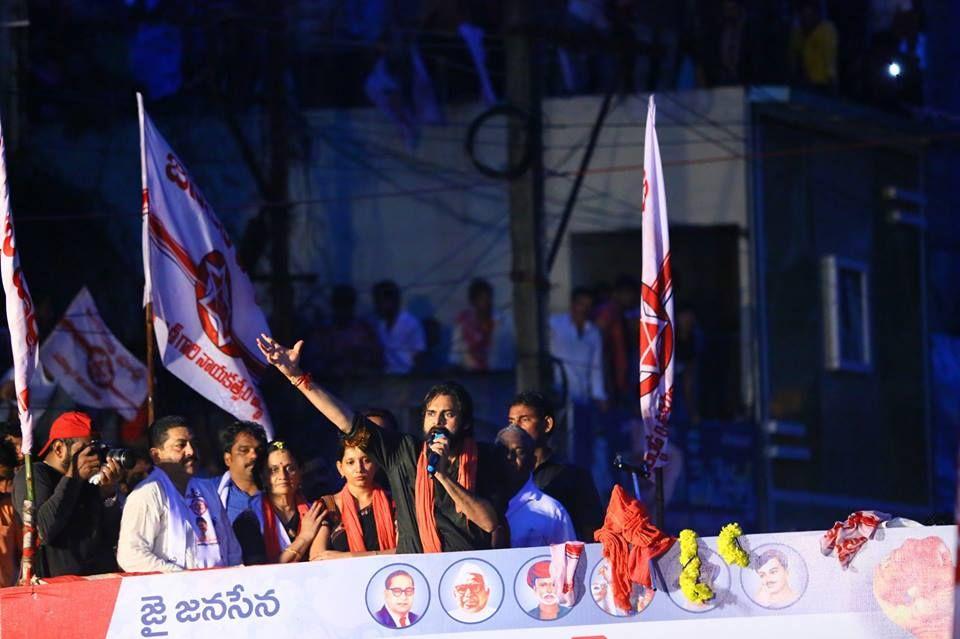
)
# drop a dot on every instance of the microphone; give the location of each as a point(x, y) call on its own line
point(620, 464)
point(433, 459)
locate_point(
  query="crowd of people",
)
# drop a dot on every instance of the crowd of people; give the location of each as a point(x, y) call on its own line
point(434, 491)
point(593, 344)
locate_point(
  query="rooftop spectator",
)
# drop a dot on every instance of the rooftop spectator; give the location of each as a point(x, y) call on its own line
point(482, 335)
point(814, 47)
point(576, 343)
point(347, 345)
point(617, 321)
point(400, 333)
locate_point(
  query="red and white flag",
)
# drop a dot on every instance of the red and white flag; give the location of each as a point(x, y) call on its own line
point(204, 313)
point(91, 364)
point(21, 319)
point(656, 303)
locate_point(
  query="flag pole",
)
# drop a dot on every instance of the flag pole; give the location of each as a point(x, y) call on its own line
point(147, 302)
point(26, 559)
point(658, 511)
point(148, 325)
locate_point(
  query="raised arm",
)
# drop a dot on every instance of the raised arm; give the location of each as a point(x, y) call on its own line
point(287, 361)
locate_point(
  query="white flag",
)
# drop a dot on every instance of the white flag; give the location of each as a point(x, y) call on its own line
point(21, 319)
point(91, 364)
point(204, 312)
point(656, 304)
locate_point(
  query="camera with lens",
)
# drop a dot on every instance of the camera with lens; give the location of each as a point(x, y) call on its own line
point(123, 456)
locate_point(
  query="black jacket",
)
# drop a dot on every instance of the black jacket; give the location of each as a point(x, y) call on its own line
point(77, 532)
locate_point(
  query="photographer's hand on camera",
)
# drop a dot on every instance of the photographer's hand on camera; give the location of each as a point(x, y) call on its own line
point(85, 464)
point(109, 474)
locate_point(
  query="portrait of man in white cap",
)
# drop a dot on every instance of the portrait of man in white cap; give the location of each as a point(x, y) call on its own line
point(471, 594)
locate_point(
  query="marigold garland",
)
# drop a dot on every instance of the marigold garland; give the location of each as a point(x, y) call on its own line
point(690, 585)
point(729, 548)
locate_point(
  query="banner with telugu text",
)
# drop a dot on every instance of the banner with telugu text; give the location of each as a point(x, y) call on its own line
point(656, 337)
point(206, 318)
point(900, 585)
point(21, 318)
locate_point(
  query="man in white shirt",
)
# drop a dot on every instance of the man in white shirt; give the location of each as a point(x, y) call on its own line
point(576, 342)
point(159, 531)
point(535, 518)
point(400, 333)
point(472, 594)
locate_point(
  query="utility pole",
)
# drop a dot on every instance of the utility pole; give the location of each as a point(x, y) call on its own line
point(14, 22)
point(530, 284)
point(278, 189)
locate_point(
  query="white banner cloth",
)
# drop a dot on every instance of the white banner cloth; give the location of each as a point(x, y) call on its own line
point(656, 304)
point(205, 315)
point(91, 364)
point(21, 318)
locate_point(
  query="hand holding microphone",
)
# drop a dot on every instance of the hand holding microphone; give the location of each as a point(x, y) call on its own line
point(438, 441)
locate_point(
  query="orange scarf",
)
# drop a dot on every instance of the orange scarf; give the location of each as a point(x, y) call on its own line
point(423, 491)
point(271, 530)
point(382, 516)
point(630, 541)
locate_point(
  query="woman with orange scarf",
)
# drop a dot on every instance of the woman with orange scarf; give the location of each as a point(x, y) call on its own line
point(361, 520)
point(289, 523)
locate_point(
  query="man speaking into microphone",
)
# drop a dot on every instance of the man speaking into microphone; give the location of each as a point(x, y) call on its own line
point(444, 485)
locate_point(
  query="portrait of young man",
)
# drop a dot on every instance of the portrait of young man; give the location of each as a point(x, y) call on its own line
point(773, 570)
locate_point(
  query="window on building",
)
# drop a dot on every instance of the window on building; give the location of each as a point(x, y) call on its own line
point(846, 314)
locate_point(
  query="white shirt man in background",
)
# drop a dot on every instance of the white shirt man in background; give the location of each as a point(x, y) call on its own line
point(577, 343)
point(401, 334)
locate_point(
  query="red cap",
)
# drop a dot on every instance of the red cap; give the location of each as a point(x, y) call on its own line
point(67, 426)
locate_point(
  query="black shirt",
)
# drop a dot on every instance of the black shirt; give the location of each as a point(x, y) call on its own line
point(368, 524)
point(77, 533)
point(397, 453)
point(573, 487)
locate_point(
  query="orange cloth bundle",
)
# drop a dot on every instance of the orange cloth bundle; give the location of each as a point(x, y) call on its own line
point(630, 541)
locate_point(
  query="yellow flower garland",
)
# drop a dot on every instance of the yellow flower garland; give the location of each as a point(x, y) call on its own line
point(693, 590)
point(729, 548)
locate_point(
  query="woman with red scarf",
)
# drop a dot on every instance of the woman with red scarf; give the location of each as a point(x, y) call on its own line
point(289, 523)
point(361, 519)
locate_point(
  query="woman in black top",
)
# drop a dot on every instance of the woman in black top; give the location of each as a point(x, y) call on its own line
point(361, 520)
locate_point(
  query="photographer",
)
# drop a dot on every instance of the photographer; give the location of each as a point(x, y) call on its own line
point(76, 529)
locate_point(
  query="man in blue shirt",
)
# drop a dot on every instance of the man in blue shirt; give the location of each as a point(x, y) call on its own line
point(243, 444)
